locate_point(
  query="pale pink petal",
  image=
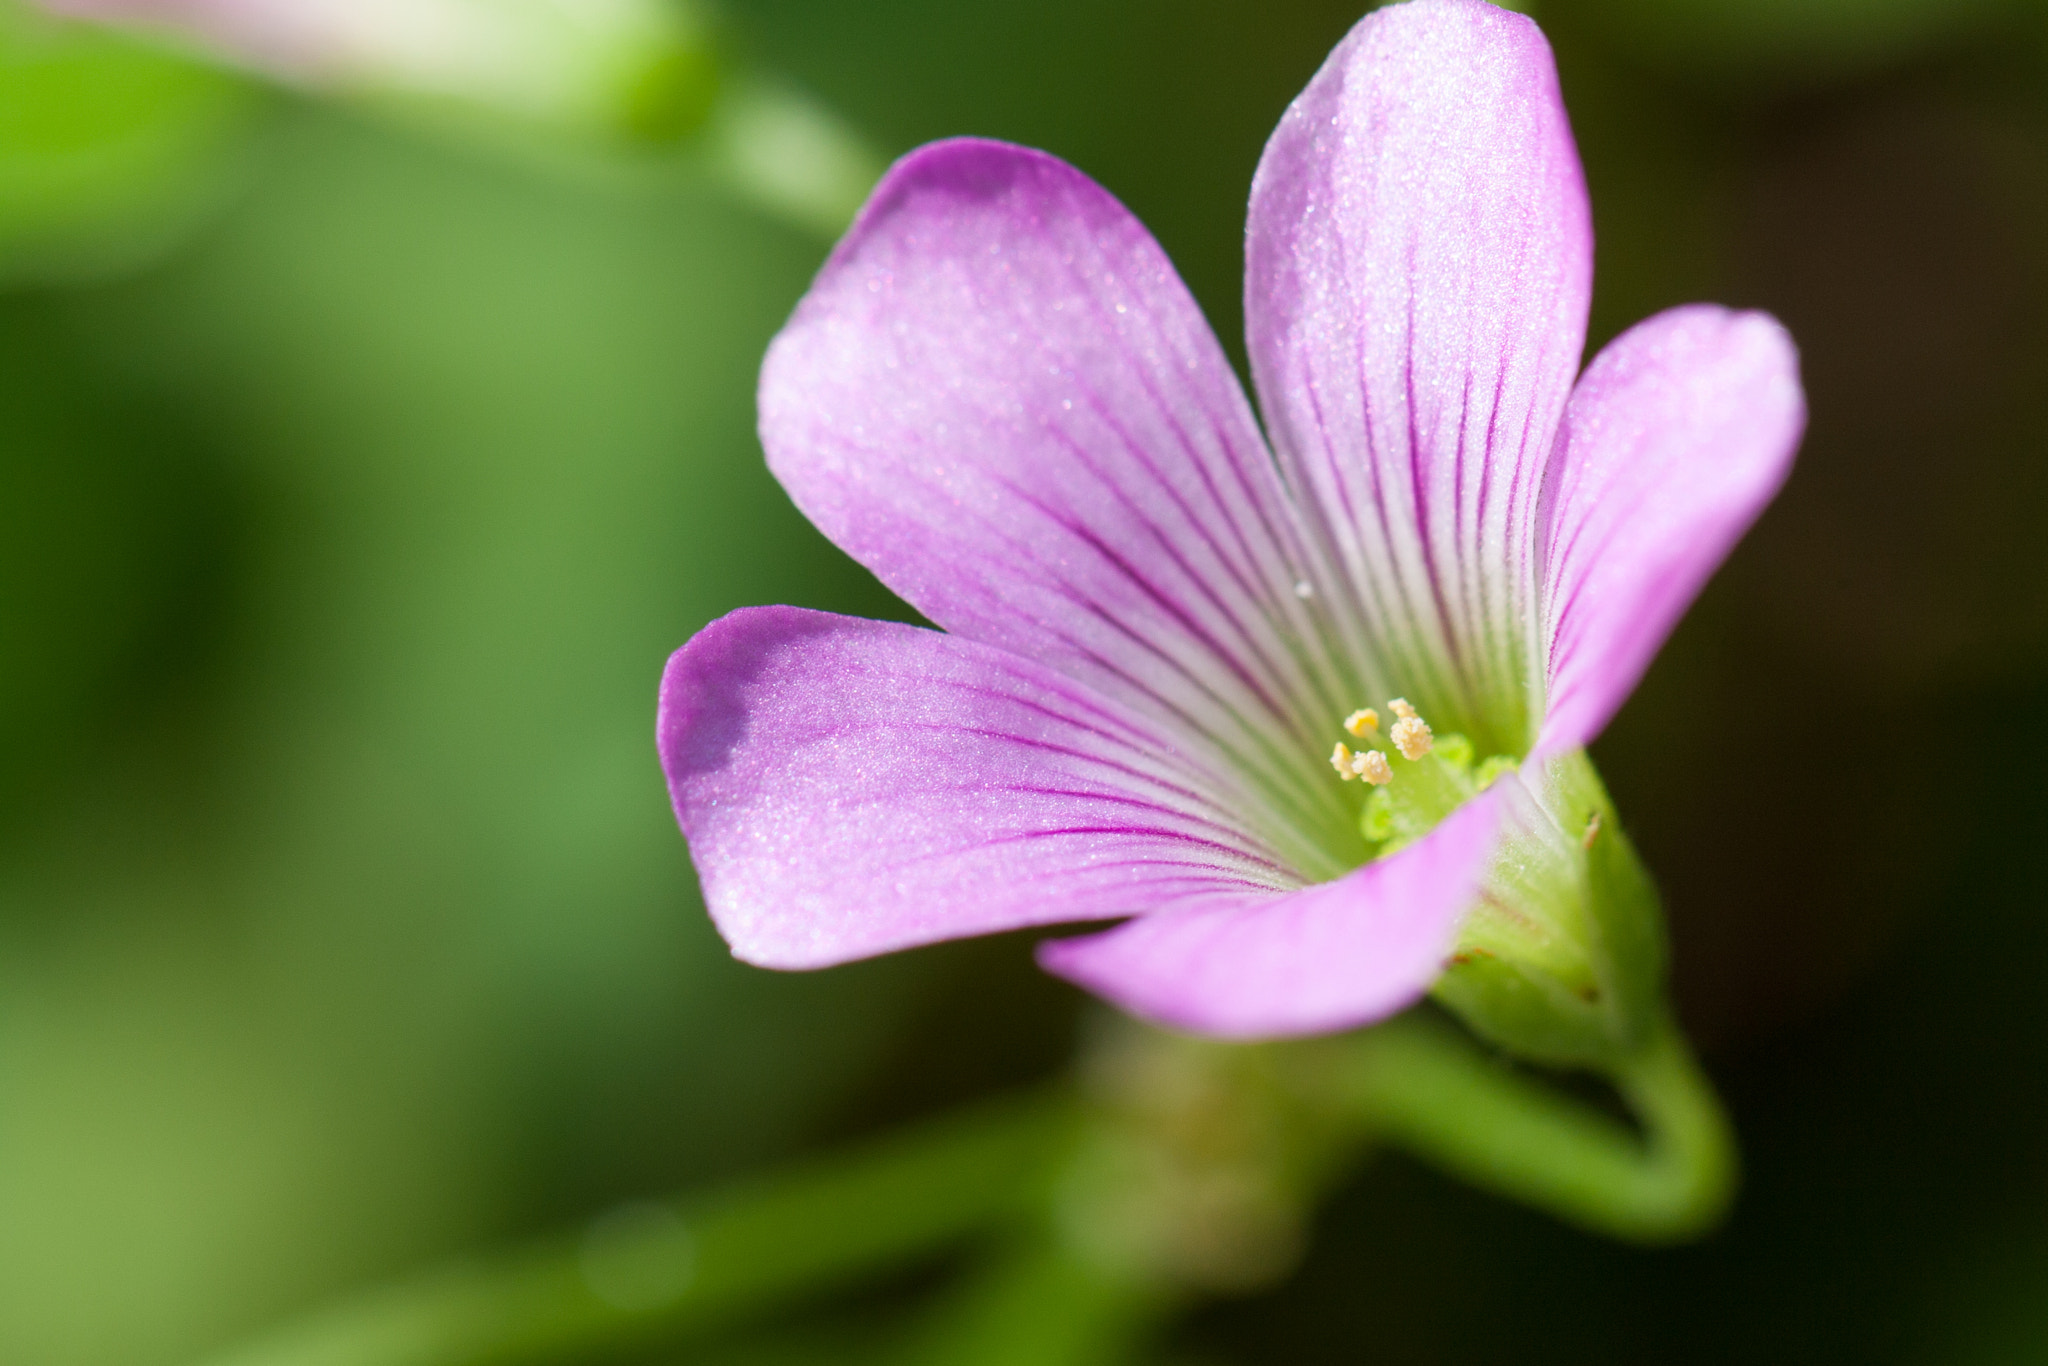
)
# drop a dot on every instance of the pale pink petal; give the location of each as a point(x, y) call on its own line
point(1328, 957)
point(1418, 271)
point(1000, 398)
point(1680, 432)
point(850, 787)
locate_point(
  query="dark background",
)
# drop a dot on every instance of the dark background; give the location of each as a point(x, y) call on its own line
point(344, 531)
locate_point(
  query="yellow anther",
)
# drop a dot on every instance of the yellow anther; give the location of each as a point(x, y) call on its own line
point(1373, 767)
point(1362, 723)
point(1340, 759)
point(1411, 733)
point(1399, 706)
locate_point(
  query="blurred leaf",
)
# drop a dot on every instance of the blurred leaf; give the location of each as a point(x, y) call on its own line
point(108, 147)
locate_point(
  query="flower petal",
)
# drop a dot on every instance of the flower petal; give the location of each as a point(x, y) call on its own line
point(1419, 265)
point(850, 787)
point(1680, 432)
point(1324, 958)
point(1000, 398)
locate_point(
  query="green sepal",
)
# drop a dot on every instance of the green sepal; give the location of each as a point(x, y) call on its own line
point(1533, 1014)
point(1562, 960)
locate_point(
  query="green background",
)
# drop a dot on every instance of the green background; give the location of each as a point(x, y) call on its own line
point(356, 478)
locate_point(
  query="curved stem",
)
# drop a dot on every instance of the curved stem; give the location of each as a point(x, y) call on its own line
point(663, 1272)
point(1425, 1087)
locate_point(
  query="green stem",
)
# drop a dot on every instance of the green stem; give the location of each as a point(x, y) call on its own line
point(660, 1273)
point(1425, 1087)
point(1040, 1303)
point(669, 1272)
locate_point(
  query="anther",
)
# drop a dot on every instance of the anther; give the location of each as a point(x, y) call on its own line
point(1340, 759)
point(1373, 767)
point(1410, 734)
point(1362, 723)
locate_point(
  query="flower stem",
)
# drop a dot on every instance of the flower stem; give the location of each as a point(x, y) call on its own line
point(656, 1274)
point(1423, 1086)
point(1039, 1303)
point(707, 1264)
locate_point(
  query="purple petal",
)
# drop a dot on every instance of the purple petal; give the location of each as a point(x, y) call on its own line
point(1000, 398)
point(1418, 271)
point(1327, 957)
point(1680, 432)
point(850, 787)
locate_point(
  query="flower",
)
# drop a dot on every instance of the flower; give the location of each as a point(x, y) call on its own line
point(999, 397)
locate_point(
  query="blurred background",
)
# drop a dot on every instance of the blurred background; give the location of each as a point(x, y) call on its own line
point(370, 432)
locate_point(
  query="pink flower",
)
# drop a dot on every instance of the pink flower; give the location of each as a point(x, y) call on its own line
point(999, 397)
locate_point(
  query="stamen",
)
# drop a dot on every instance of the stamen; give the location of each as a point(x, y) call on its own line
point(1411, 733)
point(1361, 723)
point(1340, 759)
point(1374, 768)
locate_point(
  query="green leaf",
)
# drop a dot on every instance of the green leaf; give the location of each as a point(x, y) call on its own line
point(108, 147)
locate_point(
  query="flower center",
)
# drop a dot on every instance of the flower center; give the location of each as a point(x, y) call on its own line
point(1434, 776)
